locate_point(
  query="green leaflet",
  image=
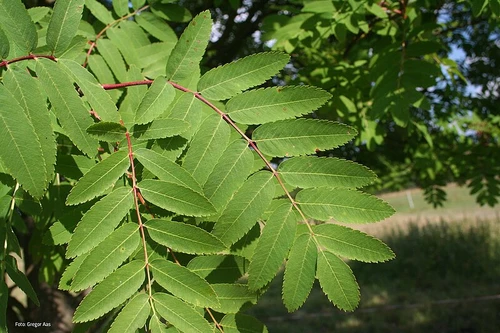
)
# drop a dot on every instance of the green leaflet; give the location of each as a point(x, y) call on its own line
point(120, 7)
point(98, 179)
point(301, 136)
point(180, 314)
point(226, 81)
point(26, 89)
point(133, 97)
point(343, 205)
point(69, 273)
point(352, 244)
point(245, 207)
point(17, 25)
point(184, 60)
point(176, 198)
point(64, 24)
point(98, 98)
point(157, 27)
point(113, 58)
point(159, 129)
point(207, 147)
point(183, 237)
point(229, 173)
point(111, 292)
point(21, 149)
point(100, 220)
point(219, 268)
point(186, 107)
point(107, 131)
point(310, 171)
point(337, 281)
point(183, 283)
point(233, 297)
point(4, 52)
point(165, 169)
point(157, 99)
point(67, 105)
point(99, 11)
point(20, 279)
point(156, 326)
point(107, 256)
point(267, 105)
point(273, 246)
point(236, 323)
point(300, 272)
point(171, 12)
point(133, 315)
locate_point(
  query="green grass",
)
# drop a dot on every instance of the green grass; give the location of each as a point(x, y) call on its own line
point(439, 282)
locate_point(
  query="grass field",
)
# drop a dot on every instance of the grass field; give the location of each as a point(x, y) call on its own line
point(446, 277)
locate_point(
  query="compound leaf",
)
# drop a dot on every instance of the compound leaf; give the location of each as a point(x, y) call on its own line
point(155, 101)
point(100, 220)
point(107, 256)
point(273, 246)
point(299, 272)
point(226, 81)
point(187, 53)
point(310, 171)
point(301, 136)
point(98, 179)
point(64, 24)
point(337, 281)
point(67, 105)
point(111, 292)
point(17, 25)
point(176, 198)
point(183, 283)
point(180, 314)
point(133, 315)
point(343, 205)
point(183, 237)
point(352, 244)
point(21, 149)
point(245, 207)
point(271, 104)
point(165, 169)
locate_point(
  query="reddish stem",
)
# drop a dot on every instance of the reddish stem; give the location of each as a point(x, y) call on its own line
point(28, 57)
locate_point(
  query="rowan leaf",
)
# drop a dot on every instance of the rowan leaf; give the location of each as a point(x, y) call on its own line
point(113, 58)
point(16, 23)
point(183, 237)
point(67, 105)
point(343, 205)
point(337, 281)
point(100, 220)
point(70, 271)
point(271, 104)
point(246, 206)
point(273, 246)
point(98, 98)
point(159, 129)
point(301, 136)
point(21, 149)
point(229, 173)
point(233, 297)
point(64, 24)
point(206, 147)
point(228, 80)
point(99, 11)
point(176, 198)
point(133, 315)
point(98, 179)
point(113, 291)
point(310, 171)
point(157, 27)
point(4, 52)
point(107, 131)
point(183, 283)
point(157, 99)
point(166, 170)
point(120, 7)
point(236, 323)
point(187, 53)
point(27, 91)
point(299, 272)
point(20, 279)
point(180, 314)
point(352, 244)
point(219, 268)
point(107, 256)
